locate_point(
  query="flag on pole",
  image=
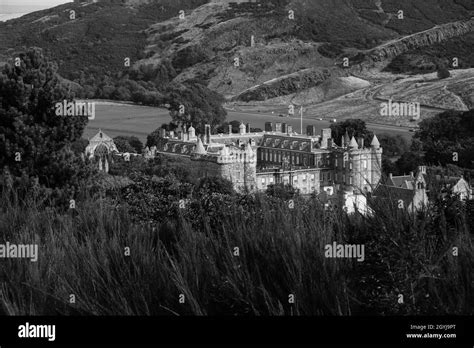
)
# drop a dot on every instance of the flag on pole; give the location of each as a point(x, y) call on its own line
point(301, 119)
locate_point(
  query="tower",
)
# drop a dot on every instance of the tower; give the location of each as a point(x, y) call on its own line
point(191, 133)
point(376, 161)
point(242, 129)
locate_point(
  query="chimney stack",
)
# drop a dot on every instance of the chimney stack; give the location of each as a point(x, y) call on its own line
point(284, 128)
point(289, 129)
point(230, 129)
point(278, 127)
point(311, 130)
point(207, 132)
point(325, 136)
point(268, 127)
point(247, 126)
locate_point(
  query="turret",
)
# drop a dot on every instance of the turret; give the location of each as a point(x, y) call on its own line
point(242, 129)
point(191, 132)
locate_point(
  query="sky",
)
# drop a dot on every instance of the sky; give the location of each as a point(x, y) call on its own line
point(25, 6)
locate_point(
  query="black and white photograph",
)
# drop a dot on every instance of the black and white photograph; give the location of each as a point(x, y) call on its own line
point(274, 171)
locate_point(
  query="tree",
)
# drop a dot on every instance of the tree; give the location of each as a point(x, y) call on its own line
point(136, 144)
point(393, 145)
point(121, 93)
point(153, 138)
point(448, 138)
point(188, 56)
point(33, 139)
point(354, 127)
point(194, 104)
point(388, 167)
point(408, 162)
point(443, 72)
point(79, 146)
point(282, 191)
point(123, 144)
point(214, 185)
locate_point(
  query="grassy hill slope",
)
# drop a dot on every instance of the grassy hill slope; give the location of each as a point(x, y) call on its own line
point(91, 48)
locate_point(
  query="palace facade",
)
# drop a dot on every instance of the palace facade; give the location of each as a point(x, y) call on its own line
point(312, 163)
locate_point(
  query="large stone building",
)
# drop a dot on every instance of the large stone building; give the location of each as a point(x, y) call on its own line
point(253, 161)
point(225, 156)
point(313, 163)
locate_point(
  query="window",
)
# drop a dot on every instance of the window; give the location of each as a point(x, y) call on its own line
point(350, 165)
point(271, 180)
point(263, 181)
point(350, 180)
point(364, 164)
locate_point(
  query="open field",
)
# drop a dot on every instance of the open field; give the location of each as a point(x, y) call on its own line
point(127, 119)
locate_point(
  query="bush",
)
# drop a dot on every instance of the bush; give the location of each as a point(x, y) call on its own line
point(443, 73)
point(280, 252)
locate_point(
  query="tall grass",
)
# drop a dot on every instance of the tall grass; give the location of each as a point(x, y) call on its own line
point(281, 252)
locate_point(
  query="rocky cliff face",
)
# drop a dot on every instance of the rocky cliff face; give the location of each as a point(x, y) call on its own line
point(289, 84)
point(428, 37)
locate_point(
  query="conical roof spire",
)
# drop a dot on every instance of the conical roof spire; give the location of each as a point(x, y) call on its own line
point(353, 144)
point(375, 142)
point(347, 140)
point(199, 149)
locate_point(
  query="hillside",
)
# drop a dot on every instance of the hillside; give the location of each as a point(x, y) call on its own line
point(247, 51)
point(212, 36)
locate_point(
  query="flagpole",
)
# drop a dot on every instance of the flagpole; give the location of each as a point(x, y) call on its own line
point(301, 119)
